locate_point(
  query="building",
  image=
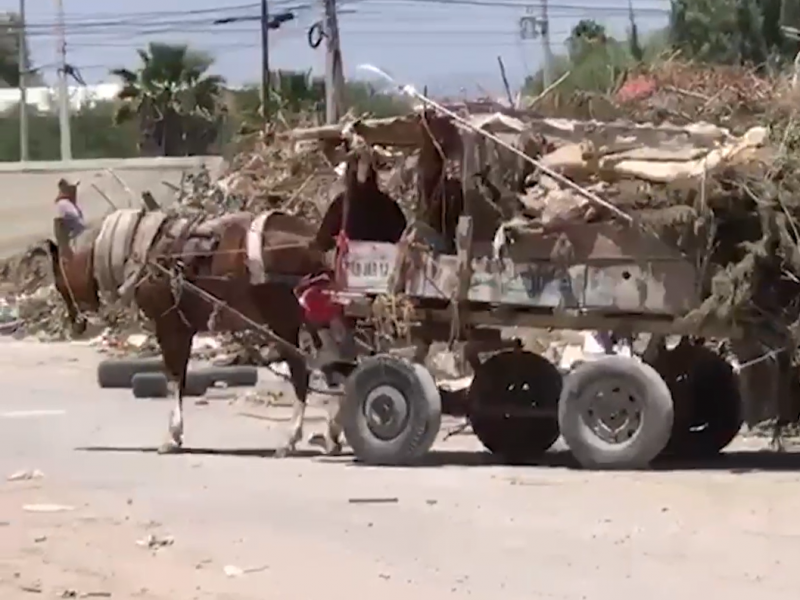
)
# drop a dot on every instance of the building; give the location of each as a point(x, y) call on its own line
point(45, 99)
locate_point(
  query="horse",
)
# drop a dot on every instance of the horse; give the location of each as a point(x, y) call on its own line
point(223, 274)
point(197, 275)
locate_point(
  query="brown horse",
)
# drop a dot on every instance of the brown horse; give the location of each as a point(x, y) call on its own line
point(213, 259)
point(190, 265)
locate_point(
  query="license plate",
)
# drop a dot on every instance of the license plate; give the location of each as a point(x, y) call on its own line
point(368, 268)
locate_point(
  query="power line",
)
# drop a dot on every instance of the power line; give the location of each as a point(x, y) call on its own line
point(206, 15)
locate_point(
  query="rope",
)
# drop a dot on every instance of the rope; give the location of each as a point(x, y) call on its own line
point(766, 356)
point(266, 331)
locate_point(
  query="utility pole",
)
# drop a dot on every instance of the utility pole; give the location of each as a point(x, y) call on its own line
point(544, 28)
point(532, 27)
point(22, 58)
point(63, 92)
point(334, 70)
point(267, 23)
point(265, 83)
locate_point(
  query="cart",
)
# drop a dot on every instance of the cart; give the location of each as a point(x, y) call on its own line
point(615, 412)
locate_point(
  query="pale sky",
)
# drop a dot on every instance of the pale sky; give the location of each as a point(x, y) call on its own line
point(445, 44)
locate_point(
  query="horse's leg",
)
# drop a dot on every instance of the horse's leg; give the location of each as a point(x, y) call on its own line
point(298, 371)
point(333, 433)
point(175, 340)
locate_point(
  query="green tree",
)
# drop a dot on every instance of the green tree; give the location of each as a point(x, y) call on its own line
point(730, 31)
point(91, 135)
point(175, 102)
point(296, 95)
point(595, 62)
point(9, 54)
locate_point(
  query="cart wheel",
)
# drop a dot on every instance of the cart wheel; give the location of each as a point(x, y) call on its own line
point(514, 380)
point(708, 402)
point(615, 412)
point(391, 411)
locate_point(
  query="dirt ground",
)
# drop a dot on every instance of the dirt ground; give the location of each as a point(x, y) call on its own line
point(103, 516)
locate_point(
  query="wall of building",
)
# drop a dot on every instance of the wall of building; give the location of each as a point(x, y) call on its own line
point(28, 190)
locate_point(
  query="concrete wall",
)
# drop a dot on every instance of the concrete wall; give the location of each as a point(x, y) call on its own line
point(28, 190)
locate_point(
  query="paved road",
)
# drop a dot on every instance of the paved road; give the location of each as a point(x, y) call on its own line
point(460, 528)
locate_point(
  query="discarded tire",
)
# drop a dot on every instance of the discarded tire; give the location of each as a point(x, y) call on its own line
point(615, 413)
point(236, 376)
point(150, 385)
point(514, 382)
point(391, 411)
point(707, 398)
point(156, 385)
point(118, 373)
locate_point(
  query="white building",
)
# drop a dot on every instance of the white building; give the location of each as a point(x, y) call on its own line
point(45, 99)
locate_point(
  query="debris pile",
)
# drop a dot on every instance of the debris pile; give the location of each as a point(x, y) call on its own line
point(707, 159)
point(710, 167)
point(681, 93)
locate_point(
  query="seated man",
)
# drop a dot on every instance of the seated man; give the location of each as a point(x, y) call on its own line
point(67, 209)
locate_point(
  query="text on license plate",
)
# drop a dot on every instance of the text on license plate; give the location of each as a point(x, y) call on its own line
point(368, 268)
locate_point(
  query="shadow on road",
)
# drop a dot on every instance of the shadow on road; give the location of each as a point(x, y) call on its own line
point(243, 452)
point(733, 462)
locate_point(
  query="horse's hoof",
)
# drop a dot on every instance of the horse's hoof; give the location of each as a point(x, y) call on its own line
point(170, 447)
point(333, 448)
point(283, 451)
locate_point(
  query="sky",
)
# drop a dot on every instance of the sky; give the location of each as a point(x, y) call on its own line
point(449, 45)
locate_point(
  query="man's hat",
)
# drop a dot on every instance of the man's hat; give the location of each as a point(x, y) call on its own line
point(65, 187)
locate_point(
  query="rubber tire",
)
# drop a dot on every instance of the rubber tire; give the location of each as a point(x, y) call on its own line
point(234, 376)
point(516, 439)
point(150, 385)
point(425, 411)
point(711, 396)
point(118, 373)
point(653, 434)
point(155, 385)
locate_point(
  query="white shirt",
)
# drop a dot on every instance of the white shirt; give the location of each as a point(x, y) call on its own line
point(72, 216)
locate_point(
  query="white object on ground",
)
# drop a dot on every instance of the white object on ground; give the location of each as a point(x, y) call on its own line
point(47, 508)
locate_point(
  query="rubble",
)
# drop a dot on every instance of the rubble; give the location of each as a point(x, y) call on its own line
point(664, 128)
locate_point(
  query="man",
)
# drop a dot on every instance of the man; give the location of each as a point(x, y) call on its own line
point(67, 209)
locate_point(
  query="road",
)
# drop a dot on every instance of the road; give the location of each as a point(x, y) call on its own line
point(459, 527)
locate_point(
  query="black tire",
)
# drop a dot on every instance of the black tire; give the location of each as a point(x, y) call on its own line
point(235, 376)
point(517, 379)
point(707, 398)
point(118, 373)
point(155, 385)
point(632, 380)
point(415, 434)
point(150, 385)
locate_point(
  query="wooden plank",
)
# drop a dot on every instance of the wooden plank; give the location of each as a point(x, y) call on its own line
point(666, 287)
point(488, 316)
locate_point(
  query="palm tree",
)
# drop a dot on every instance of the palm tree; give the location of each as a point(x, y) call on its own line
point(178, 105)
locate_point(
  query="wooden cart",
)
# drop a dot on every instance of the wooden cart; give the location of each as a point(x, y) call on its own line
point(616, 412)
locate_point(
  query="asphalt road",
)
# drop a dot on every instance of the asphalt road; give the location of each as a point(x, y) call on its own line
point(303, 528)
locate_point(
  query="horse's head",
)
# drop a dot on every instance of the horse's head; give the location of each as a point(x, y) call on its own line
point(73, 274)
